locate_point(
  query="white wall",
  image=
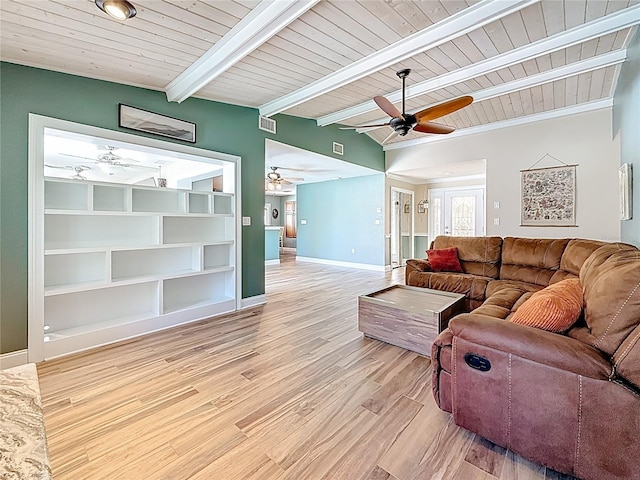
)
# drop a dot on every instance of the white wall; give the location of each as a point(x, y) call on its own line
point(626, 121)
point(584, 139)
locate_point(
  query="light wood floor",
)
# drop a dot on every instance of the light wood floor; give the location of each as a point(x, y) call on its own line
point(290, 390)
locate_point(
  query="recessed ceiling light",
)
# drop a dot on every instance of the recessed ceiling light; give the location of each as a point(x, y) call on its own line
point(446, 173)
point(118, 9)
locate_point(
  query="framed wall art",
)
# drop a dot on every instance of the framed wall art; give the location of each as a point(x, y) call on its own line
point(626, 191)
point(144, 121)
point(548, 197)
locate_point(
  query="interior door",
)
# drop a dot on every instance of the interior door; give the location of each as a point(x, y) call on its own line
point(290, 219)
point(401, 226)
point(459, 213)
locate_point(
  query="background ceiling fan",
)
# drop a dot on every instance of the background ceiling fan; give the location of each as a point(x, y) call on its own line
point(402, 122)
point(76, 168)
point(111, 163)
point(275, 181)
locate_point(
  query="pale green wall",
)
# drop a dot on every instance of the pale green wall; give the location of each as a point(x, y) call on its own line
point(220, 127)
point(626, 121)
point(341, 217)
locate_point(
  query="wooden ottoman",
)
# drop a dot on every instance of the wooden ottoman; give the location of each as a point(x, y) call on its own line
point(408, 317)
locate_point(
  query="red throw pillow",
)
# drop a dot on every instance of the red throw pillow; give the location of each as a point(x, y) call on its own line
point(444, 260)
point(554, 308)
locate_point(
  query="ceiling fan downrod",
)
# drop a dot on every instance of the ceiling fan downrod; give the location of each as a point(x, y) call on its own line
point(403, 74)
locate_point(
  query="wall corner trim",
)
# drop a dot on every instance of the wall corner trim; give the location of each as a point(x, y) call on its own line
point(13, 359)
point(253, 301)
point(362, 266)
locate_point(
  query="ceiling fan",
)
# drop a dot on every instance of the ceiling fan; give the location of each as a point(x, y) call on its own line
point(275, 180)
point(402, 122)
point(76, 168)
point(112, 163)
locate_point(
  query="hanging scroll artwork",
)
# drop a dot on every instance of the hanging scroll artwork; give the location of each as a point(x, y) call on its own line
point(548, 197)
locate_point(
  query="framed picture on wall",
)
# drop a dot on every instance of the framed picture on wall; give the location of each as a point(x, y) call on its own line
point(144, 121)
point(625, 177)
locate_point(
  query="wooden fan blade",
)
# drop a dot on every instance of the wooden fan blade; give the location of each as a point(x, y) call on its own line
point(442, 109)
point(430, 127)
point(365, 126)
point(391, 136)
point(387, 107)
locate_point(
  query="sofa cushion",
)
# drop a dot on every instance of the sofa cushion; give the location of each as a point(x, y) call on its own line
point(444, 260)
point(574, 256)
point(531, 260)
point(497, 285)
point(611, 281)
point(554, 308)
point(501, 303)
point(626, 360)
point(470, 285)
point(478, 255)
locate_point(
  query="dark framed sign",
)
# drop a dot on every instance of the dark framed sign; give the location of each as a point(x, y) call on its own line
point(135, 118)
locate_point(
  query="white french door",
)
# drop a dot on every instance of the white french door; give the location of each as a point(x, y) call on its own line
point(402, 235)
point(457, 212)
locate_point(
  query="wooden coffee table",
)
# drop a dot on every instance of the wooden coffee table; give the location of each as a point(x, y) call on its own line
point(408, 317)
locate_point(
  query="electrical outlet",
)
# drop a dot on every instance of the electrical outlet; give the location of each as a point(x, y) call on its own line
point(496, 221)
point(496, 205)
point(303, 222)
point(377, 222)
point(246, 221)
point(378, 210)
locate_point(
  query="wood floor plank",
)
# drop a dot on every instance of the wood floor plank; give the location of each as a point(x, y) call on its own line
point(410, 448)
point(486, 456)
point(517, 468)
point(471, 472)
point(273, 392)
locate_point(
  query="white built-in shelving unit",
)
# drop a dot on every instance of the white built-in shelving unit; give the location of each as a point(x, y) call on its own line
point(113, 261)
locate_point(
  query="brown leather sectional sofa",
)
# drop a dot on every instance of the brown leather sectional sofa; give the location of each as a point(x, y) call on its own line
point(568, 401)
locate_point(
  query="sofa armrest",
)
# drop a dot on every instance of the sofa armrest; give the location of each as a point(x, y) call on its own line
point(536, 345)
point(419, 265)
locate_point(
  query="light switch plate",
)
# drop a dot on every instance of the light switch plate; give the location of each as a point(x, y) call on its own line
point(246, 221)
point(303, 222)
point(496, 221)
point(496, 205)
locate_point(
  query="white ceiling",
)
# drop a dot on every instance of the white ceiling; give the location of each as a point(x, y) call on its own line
point(326, 59)
point(301, 166)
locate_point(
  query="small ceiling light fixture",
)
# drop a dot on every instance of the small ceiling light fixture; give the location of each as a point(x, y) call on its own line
point(118, 9)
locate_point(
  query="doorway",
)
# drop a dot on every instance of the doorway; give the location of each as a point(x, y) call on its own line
point(401, 226)
point(458, 211)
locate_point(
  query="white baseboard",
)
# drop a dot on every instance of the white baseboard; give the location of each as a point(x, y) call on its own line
point(13, 359)
point(362, 266)
point(275, 261)
point(253, 301)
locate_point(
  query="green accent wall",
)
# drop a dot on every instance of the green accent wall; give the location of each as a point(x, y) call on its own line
point(220, 127)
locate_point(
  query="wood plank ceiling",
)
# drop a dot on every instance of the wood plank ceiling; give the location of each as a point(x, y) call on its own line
point(327, 62)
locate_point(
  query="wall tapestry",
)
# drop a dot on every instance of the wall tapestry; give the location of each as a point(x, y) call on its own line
point(549, 197)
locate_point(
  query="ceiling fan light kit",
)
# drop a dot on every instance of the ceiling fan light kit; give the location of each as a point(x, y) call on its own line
point(403, 122)
point(119, 9)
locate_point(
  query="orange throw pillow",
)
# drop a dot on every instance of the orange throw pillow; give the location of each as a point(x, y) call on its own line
point(554, 308)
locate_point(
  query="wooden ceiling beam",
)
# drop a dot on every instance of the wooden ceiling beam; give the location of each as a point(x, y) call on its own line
point(611, 23)
point(461, 23)
point(258, 26)
point(583, 66)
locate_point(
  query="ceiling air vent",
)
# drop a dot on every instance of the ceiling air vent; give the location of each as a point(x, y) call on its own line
point(338, 148)
point(267, 124)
